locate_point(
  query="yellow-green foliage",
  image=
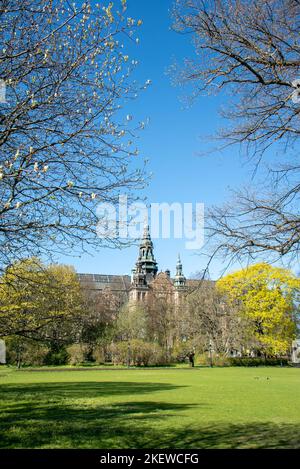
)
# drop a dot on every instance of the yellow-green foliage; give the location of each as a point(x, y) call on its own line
point(33, 295)
point(266, 295)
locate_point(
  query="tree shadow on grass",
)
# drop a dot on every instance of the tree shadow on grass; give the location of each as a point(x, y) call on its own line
point(74, 414)
point(264, 435)
point(87, 389)
point(48, 415)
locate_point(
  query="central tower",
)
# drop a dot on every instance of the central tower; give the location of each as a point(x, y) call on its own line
point(146, 262)
point(145, 268)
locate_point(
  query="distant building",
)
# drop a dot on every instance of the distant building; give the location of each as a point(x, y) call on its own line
point(145, 279)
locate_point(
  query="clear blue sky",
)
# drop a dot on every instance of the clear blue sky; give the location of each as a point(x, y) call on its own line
point(172, 142)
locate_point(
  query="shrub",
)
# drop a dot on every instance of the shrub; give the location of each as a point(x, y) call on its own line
point(76, 354)
point(57, 357)
point(119, 353)
point(218, 359)
point(202, 359)
point(257, 361)
point(181, 350)
point(99, 354)
point(138, 353)
point(159, 356)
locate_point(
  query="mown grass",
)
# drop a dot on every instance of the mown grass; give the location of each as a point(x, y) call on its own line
point(157, 408)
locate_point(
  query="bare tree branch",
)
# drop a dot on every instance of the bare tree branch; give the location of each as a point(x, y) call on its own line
point(65, 143)
point(251, 50)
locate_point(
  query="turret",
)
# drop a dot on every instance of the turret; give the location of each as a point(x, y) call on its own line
point(179, 279)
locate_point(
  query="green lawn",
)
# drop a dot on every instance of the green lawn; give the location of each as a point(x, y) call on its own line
point(155, 408)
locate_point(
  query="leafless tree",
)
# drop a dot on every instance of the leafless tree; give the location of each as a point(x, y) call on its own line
point(251, 51)
point(97, 321)
point(161, 311)
point(209, 319)
point(256, 224)
point(66, 143)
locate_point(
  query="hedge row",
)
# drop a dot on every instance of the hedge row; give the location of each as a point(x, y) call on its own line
point(248, 361)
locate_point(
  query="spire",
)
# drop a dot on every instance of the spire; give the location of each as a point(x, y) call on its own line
point(179, 279)
point(146, 234)
point(179, 264)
